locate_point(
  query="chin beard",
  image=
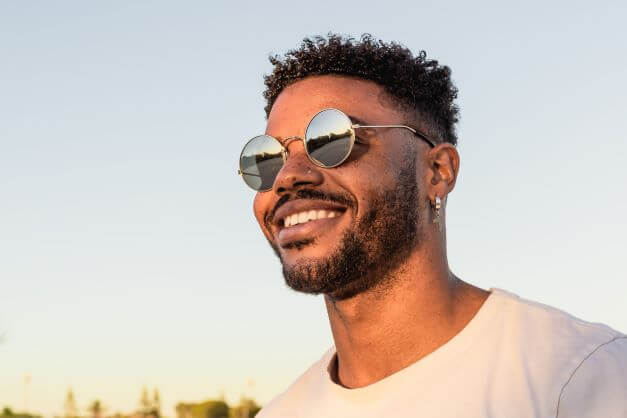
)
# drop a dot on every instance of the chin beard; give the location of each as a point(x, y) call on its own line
point(367, 254)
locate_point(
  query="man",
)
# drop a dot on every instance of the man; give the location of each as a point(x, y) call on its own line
point(352, 176)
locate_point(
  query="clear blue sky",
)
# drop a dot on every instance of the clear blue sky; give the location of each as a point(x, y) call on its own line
point(128, 251)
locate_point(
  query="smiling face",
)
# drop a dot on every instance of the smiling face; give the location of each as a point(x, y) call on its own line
point(342, 230)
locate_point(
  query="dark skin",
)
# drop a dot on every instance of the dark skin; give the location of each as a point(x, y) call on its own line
point(421, 304)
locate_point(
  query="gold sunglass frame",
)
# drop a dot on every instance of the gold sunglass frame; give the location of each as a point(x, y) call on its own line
point(352, 127)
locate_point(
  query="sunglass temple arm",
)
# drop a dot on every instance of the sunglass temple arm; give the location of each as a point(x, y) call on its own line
point(414, 131)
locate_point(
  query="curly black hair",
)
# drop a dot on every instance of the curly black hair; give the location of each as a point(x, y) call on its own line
point(415, 82)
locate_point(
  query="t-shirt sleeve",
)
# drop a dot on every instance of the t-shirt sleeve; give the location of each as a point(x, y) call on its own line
point(598, 387)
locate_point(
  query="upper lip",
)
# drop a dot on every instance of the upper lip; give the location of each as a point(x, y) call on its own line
point(301, 205)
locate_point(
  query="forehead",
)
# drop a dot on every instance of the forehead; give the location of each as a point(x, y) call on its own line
point(300, 101)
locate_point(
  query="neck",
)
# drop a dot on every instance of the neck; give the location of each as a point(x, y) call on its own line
point(383, 330)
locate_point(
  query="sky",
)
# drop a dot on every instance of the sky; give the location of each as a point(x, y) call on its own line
point(129, 255)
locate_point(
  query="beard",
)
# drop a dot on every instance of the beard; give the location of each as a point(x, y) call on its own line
point(369, 253)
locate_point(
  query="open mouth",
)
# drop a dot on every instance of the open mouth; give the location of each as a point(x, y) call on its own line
point(305, 220)
point(307, 216)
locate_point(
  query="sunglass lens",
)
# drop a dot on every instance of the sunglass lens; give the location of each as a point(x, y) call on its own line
point(329, 138)
point(260, 162)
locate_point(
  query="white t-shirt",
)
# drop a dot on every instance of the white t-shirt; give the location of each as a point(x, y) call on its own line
point(515, 358)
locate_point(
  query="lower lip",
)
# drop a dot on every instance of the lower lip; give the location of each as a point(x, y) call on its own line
point(307, 230)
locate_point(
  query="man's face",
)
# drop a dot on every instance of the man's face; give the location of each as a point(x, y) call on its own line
point(367, 210)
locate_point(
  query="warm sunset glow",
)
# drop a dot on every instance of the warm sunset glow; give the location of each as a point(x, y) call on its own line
point(130, 258)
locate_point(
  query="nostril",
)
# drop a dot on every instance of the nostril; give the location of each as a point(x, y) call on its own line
point(294, 185)
point(295, 174)
point(301, 183)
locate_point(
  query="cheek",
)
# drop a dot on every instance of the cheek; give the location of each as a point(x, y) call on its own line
point(371, 171)
point(366, 180)
point(259, 209)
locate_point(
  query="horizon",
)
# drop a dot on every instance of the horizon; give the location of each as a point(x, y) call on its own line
point(142, 410)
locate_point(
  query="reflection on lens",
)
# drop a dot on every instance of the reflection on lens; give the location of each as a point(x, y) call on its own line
point(260, 162)
point(329, 137)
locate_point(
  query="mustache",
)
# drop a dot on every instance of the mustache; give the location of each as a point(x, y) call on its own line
point(310, 194)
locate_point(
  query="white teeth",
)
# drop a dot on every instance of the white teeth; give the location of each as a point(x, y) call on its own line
point(312, 215)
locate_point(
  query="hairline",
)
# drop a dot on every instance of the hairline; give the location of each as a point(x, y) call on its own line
point(414, 116)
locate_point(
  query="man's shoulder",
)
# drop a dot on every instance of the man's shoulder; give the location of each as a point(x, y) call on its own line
point(518, 343)
point(526, 318)
point(303, 388)
point(550, 337)
point(556, 348)
point(598, 385)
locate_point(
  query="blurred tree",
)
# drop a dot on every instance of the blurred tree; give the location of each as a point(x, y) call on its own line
point(96, 409)
point(208, 409)
point(156, 403)
point(144, 402)
point(8, 413)
point(247, 408)
point(150, 408)
point(71, 411)
point(217, 409)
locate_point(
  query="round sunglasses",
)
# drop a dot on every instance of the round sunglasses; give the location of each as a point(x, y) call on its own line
point(328, 142)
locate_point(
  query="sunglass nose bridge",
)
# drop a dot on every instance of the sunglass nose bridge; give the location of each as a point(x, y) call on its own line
point(286, 142)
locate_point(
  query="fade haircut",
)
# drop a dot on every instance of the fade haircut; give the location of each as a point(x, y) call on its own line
point(419, 85)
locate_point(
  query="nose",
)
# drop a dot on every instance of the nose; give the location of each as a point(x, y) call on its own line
point(298, 170)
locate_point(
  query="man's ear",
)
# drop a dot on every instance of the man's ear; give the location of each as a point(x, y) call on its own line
point(443, 162)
